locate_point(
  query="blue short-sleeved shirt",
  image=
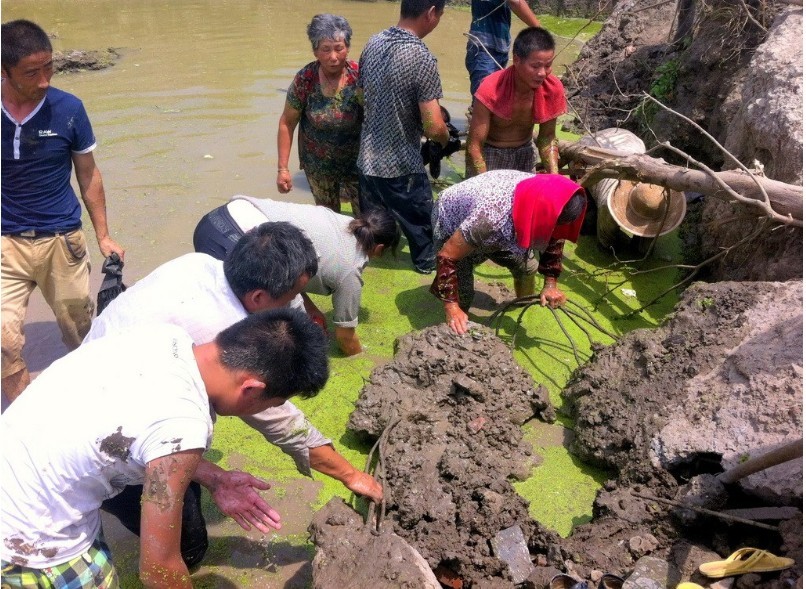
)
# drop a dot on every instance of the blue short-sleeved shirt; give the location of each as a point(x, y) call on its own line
point(37, 165)
point(491, 22)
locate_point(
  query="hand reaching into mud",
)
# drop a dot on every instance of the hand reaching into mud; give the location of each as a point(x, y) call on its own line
point(551, 295)
point(235, 494)
point(364, 484)
point(456, 318)
point(326, 460)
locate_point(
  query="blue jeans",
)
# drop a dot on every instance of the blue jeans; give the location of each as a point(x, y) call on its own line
point(409, 199)
point(480, 65)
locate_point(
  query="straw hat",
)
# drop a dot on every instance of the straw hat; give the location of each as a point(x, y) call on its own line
point(641, 208)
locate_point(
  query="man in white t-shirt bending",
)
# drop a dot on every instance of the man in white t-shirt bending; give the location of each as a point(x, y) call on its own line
point(268, 267)
point(137, 408)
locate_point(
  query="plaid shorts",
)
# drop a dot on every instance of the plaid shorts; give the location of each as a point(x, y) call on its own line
point(94, 568)
point(523, 158)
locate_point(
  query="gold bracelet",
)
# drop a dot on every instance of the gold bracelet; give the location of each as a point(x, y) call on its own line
point(282, 170)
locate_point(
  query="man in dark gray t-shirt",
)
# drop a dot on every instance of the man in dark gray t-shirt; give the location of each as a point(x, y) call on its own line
point(401, 86)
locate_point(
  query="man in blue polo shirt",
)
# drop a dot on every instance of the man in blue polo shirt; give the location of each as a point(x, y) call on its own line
point(488, 41)
point(45, 132)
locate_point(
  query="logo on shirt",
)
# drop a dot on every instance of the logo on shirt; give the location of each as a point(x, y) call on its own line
point(47, 133)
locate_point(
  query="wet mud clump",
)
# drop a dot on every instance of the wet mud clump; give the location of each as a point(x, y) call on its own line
point(669, 410)
point(721, 381)
point(76, 60)
point(447, 411)
point(355, 555)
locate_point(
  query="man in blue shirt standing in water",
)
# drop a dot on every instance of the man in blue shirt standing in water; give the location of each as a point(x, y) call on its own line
point(45, 132)
point(489, 39)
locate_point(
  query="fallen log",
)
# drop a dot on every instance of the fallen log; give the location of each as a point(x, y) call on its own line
point(785, 199)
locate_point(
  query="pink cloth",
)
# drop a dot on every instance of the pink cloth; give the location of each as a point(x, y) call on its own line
point(497, 93)
point(536, 205)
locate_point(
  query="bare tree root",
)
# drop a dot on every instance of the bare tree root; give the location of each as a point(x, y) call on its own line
point(567, 335)
point(574, 312)
point(764, 226)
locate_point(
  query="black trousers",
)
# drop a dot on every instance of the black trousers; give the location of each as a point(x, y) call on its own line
point(409, 199)
point(217, 233)
point(126, 507)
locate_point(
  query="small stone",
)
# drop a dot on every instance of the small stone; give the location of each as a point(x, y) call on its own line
point(748, 581)
point(476, 425)
point(510, 546)
point(642, 544)
point(649, 573)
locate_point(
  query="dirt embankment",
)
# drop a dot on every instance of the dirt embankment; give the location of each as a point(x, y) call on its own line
point(452, 409)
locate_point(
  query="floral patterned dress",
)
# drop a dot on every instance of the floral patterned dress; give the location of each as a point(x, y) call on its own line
point(330, 126)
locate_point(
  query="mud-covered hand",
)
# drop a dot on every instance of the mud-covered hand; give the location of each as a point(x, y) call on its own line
point(456, 318)
point(364, 484)
point(551, 295)
point(236, 495)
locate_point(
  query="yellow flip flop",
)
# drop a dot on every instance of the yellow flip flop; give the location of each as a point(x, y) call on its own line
point(689, 585)
point(745, 560)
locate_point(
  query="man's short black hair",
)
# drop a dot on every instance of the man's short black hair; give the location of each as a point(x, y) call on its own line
point(415, 8)
point(19, 39)
point(532, 39)
point(271, 256)
point(282, 347)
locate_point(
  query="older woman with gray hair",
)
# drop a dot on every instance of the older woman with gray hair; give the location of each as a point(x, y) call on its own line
point(323, 99)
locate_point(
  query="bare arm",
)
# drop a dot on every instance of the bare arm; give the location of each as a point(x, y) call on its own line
point(521, 9)
point(348, 341)
point(91, 186)
point(547, 146)
point(551, 264)
point(313, 311)
point(164, 486)
point(434, 126)
point(285, 138)
point(235, 493)
point(327, 461)
point(476, 136)
point(454, 250)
